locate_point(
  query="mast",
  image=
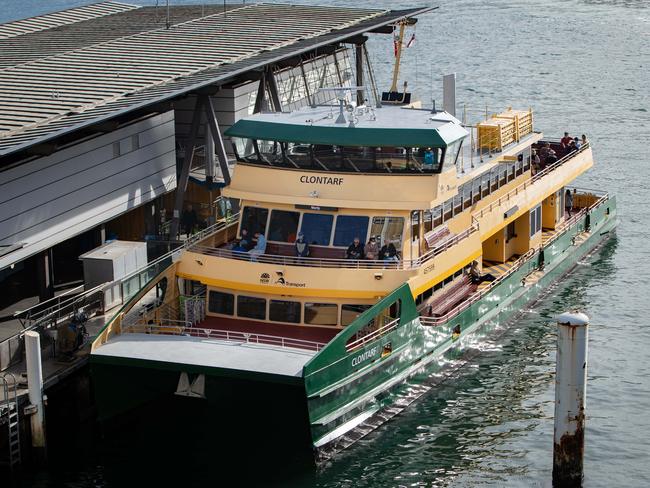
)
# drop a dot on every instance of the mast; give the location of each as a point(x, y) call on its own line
point(398, 55)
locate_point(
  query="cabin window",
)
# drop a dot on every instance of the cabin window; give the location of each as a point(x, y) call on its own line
point(317, 228)
point(223, 303)
point(251, 307)
point(349, 313)
point(452, 152)
point(535, 220)
point(254, 220)
point(270, 151)
point(387, 229)
point(321, 313)
point(284, 311)
point(243, 147)
point(348, 227)
point(283, 226)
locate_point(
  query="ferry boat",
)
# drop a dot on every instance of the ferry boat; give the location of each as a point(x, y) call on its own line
point(274, 309)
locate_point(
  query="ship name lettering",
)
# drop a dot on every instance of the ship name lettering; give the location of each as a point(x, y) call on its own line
point(321, 180)
point(357, 360)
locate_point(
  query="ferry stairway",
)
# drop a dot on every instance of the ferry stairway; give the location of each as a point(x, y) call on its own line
point(9, 417)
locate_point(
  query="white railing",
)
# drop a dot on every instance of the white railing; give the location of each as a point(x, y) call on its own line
point(371, 336)
point(433, 321)
point(181, 328)
point(521, 187)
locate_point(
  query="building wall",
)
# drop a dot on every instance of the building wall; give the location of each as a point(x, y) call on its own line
point(53, 198)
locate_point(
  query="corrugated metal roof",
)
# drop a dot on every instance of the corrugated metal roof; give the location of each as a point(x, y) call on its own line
point(34, 45)
point(64, 17)
point(54, 95)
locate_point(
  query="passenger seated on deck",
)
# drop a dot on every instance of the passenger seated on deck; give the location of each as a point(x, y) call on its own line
point(244, 243)
point(388, 252)
point(577, 143)
point(372, 248)
point(355, 250)
point(566, 140)
point(302, 247)
point(260, 246)
point(476, 276)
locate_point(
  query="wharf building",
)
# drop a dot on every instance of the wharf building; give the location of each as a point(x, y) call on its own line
point(112, 119)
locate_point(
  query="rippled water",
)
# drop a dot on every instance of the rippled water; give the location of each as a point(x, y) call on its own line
point(584, 66)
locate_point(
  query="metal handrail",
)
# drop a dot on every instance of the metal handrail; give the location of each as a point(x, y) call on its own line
point(229, 335)
point(433, 321)
point(522, 186)
point(372, 335)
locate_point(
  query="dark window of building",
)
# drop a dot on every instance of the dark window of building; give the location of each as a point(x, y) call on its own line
point(251, 307)
point(348, 227)
point(284, 311)
point(283, 226)
point(510, 231)
point(223, 303)
point(321, 313)
point(254, 220)
point(317, 228)
point(350, 312)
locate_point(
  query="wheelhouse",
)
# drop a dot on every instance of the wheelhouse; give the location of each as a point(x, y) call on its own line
point(367, 140)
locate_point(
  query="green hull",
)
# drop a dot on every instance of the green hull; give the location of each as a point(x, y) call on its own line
point(345, 391)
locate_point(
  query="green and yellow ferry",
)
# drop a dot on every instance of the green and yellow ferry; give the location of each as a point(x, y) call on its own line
point(470, 222)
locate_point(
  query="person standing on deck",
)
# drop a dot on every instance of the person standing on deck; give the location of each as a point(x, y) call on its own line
point(566, 140)
point(302, 247)
point(189, 219)
point(568, 201)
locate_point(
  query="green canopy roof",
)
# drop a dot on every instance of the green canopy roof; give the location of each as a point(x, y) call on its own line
point(387, 127)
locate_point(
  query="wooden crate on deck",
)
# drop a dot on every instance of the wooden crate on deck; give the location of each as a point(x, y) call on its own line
point(503, 129)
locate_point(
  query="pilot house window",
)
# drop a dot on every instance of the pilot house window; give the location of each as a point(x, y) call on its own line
point(283, 226)
point(317, 228)
point(348, 227)
point(254, 220)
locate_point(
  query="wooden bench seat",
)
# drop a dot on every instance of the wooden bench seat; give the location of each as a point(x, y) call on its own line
point(436, 235)
point(276, 249)
point(453, 294)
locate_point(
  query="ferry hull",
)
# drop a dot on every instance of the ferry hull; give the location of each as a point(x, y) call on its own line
point(343, 392)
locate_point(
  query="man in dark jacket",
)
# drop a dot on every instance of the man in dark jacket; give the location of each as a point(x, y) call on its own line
point(355, 250)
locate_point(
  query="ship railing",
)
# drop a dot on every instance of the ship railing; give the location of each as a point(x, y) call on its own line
point(371, 336)
point(182, 328)
point(567, 224)
point(434, 321)
point(402, 264)
point(535, 178)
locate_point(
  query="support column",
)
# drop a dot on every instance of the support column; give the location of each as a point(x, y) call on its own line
point(217, 139)
point(273, 90)
point(209, 155)
point(181, 184)
point(35, 388)
point(45, 275)
point(570, 394)
point(358, 49)
point(261, 95)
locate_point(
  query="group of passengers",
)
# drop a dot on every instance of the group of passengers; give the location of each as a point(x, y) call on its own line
point(572, 143)
point(372, 251)
point(255, 246)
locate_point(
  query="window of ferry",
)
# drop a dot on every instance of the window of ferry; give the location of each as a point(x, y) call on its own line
point(243, 147)
point(284, 311)
point(251, 307)
point(348, 227)
point(223, 303)
point(350, 312)
point(317, 228)
point(254, 220)
point(321, 313)
point(388, 229)
point(283, 226)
